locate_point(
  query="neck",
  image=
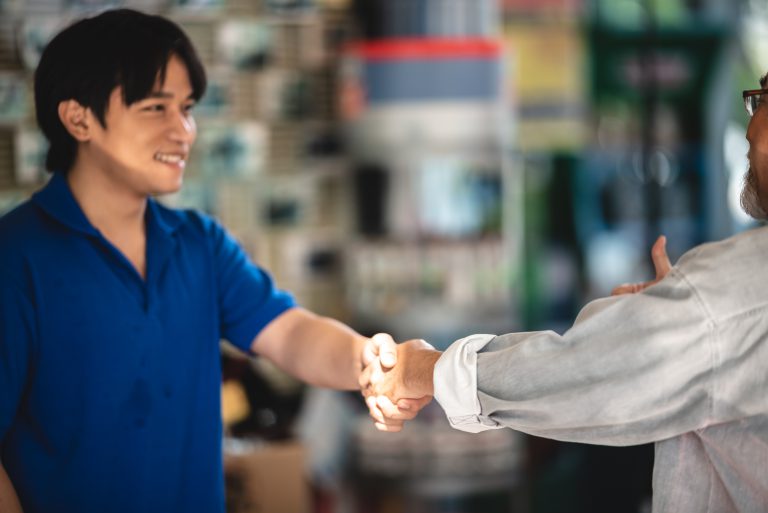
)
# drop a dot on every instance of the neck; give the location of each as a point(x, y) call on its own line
point(113, 209)
point(110, 207)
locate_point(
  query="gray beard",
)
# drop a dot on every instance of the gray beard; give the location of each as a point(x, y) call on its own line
point(750, 201)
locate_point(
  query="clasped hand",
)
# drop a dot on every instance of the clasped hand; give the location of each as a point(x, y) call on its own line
point(395, 382)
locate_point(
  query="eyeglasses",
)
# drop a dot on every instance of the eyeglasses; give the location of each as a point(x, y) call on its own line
point(753, 99)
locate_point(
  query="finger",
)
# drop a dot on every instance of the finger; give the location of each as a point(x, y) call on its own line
point(364, 380)
point(626, 288)
point(377, 373)
point(414, 405)
point(660, 259)
point(379, 419)
point(387, 349)
point(391, 411)
point(390, 428)
point(370, 351)
point(374, 411)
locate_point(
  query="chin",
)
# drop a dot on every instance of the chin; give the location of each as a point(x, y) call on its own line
point(171, 188)
point(167, 187)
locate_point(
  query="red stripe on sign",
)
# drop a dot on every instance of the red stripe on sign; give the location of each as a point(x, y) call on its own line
point(432, 48)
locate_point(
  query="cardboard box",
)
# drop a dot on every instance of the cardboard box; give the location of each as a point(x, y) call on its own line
point(266, 478)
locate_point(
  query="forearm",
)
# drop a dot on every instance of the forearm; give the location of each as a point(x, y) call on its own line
point(632, 370)
point(328, 354)
point(9, 501)
point(609, 394)
point(317, 350)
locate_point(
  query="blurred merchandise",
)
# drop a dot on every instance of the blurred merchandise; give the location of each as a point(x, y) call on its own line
point(15, 100)
point(245, 44)
point(429, 467)
point(425, 123)
point(387, 19)
point(30, 148)
point(548, 95)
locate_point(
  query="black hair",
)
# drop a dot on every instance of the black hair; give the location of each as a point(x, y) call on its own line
point(90, 58)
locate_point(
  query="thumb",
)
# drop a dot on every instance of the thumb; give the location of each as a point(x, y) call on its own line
point(626, 288)
point(660, 259)
point(387, 349)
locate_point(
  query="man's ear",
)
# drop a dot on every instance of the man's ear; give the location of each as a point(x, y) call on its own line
point(75, 119)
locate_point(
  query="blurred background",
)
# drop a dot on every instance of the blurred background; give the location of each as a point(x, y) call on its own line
point(433, 169)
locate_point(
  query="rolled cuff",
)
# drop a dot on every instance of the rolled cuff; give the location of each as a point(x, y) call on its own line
point(455, 382)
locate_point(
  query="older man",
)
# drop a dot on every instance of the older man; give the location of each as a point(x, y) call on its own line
point(682, 363)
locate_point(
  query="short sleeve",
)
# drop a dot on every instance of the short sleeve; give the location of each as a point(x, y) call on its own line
point(247, 296)
point(17, 340)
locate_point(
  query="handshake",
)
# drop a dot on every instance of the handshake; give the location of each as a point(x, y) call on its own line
point(396, 379)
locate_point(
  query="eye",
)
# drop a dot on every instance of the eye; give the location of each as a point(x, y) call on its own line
point(188, 108)
point(156, 107)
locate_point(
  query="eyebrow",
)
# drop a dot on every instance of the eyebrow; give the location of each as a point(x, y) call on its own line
point(164, 95)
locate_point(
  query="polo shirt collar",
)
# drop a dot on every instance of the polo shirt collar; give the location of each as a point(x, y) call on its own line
point(166, 220)
point(57, 200)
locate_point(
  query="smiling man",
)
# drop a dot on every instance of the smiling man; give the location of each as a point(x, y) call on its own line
point(112, 306)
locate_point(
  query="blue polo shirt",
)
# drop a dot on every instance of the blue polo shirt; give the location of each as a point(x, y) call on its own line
point(110, 384)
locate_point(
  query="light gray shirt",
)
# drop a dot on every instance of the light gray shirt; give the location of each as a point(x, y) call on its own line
point(683, 364)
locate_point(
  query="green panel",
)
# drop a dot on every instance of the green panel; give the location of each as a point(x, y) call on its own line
point(684, 61)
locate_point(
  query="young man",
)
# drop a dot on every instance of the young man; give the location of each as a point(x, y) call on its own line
point(681, 363)
point(112, 306)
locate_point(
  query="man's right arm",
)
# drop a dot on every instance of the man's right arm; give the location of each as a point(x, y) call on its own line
point(417, 371)
point(9, 501)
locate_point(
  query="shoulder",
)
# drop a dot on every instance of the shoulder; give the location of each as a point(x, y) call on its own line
point(19, 222)
point(22, 228)
point(729, 276)
point(23, 233)
point(740, 251)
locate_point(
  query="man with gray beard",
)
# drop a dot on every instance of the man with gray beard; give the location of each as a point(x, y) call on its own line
point(680, 362)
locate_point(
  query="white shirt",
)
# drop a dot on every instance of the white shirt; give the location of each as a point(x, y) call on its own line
point(683, 364)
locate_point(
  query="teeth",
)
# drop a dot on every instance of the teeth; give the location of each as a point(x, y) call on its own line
point(168, 157)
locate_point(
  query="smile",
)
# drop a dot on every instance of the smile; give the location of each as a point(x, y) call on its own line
point(169, 158)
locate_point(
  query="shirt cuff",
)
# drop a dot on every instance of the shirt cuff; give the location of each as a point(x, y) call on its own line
point(455, 382)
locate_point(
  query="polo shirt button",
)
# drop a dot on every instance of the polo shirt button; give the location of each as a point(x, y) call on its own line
point(144, 361)
point(140, 423)
point(168, 391)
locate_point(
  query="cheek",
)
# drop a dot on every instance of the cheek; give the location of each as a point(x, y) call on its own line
point(756, 133)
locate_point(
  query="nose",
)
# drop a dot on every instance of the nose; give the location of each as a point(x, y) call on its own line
point(751, 127)
point(183, 128)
